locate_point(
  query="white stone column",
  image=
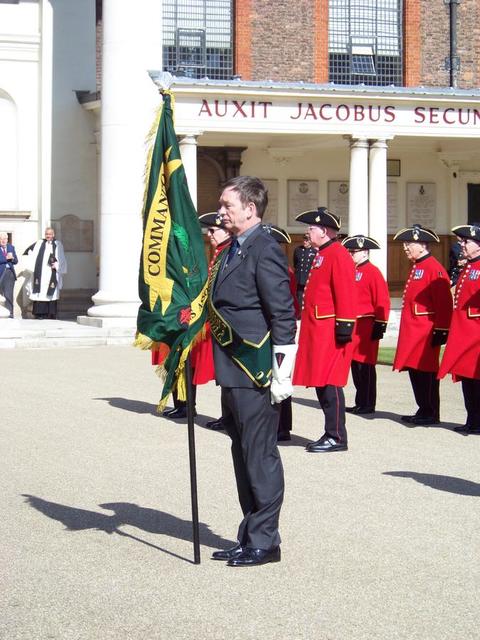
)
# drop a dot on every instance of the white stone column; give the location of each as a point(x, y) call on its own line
point(358, 187)
point(188, 151)
point(377, 201)
point(132, 44)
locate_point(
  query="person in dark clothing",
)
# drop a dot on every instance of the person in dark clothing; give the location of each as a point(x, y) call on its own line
point(8, 258)
point(456, 261)
point(302, 262)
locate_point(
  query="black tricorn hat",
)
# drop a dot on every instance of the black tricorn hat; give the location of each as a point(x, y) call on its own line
point(212, 219)
point(468, 231)
point(361, 243)
point(417, 233)
point(280, 235)
point(320, 217)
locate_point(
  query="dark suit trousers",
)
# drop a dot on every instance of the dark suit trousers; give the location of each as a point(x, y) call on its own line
point(285, 417)
point(426, 389)
point(251, 422)
point(364, 377)
point(332, 401)
point(6, 288)
point(471, 397)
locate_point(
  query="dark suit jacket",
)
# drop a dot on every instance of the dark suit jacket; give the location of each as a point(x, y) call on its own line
point(4, 261)
point(253, 295)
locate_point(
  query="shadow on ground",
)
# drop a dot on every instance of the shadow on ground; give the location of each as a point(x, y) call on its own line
point(135, 406)
point(451, 484)
point(126, 513)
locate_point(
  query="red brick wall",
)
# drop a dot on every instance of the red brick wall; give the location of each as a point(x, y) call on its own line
point(412, 43)
point(434, 35)
point(468, 44)
point(283, 40)
point(321, 41)
point(243, 39)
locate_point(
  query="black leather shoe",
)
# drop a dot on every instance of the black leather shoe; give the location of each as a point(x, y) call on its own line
point(357, 410)
point(215, 425)
point(283, 436)
point(325, 445)
point(360, 411)
point(227, 554)
point(420, 420)
point(167, 412)
point(178, 414)
point(254, 557)
point(466, 428)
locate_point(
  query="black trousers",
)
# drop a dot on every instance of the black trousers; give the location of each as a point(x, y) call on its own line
point(300, 290)
point(364, 377)
point(6, 288)
point(251, 422)
point(426, 389)
point(471, 397)
point(285, 417)
point(45, 309)
point(332, 402)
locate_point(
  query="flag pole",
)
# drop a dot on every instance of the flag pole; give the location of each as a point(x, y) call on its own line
point(193, 468)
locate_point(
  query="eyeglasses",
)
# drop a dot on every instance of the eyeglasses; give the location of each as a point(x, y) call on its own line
point(213, 229)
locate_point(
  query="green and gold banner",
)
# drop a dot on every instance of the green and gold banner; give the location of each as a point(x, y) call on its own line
point(173, 266)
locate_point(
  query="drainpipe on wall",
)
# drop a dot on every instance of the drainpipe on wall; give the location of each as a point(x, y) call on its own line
point(452, 63)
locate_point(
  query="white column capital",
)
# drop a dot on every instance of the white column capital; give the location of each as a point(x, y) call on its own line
point(358, 143)
point(379, 143)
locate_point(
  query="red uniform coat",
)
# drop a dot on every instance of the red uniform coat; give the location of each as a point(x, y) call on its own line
point(329, 297)
point(462, 353)
point(202, 353)
point(427, 305)
point(373, 303)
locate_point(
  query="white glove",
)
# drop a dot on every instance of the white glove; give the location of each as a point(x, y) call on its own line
point(282, 367)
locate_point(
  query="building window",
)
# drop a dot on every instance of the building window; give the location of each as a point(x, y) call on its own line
point(197, 38)
point(365, 42)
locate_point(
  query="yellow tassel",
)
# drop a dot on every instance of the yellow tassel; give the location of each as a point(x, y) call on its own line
point(143, 342)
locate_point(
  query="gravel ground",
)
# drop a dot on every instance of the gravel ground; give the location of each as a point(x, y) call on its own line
point(380, 542)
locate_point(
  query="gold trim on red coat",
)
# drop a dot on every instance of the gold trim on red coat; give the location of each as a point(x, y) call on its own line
point(331, 315)
point(422, 313)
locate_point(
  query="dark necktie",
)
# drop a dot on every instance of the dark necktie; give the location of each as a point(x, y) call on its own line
point(232, 250)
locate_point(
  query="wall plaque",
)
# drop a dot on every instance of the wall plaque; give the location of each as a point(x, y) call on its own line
point(271, 214)
point(75, 234)
point(392, 207)
point(338, 201)
point(421, 203)
point(302, 196)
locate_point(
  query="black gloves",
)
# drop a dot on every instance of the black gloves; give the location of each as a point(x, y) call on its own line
point(439, 337)
point(379, 328)
point(343, 331)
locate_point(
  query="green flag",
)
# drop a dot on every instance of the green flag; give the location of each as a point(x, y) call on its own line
point(173, 266)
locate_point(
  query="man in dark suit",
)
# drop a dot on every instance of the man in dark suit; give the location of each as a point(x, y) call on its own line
point(8, 258)
point(253, 324)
